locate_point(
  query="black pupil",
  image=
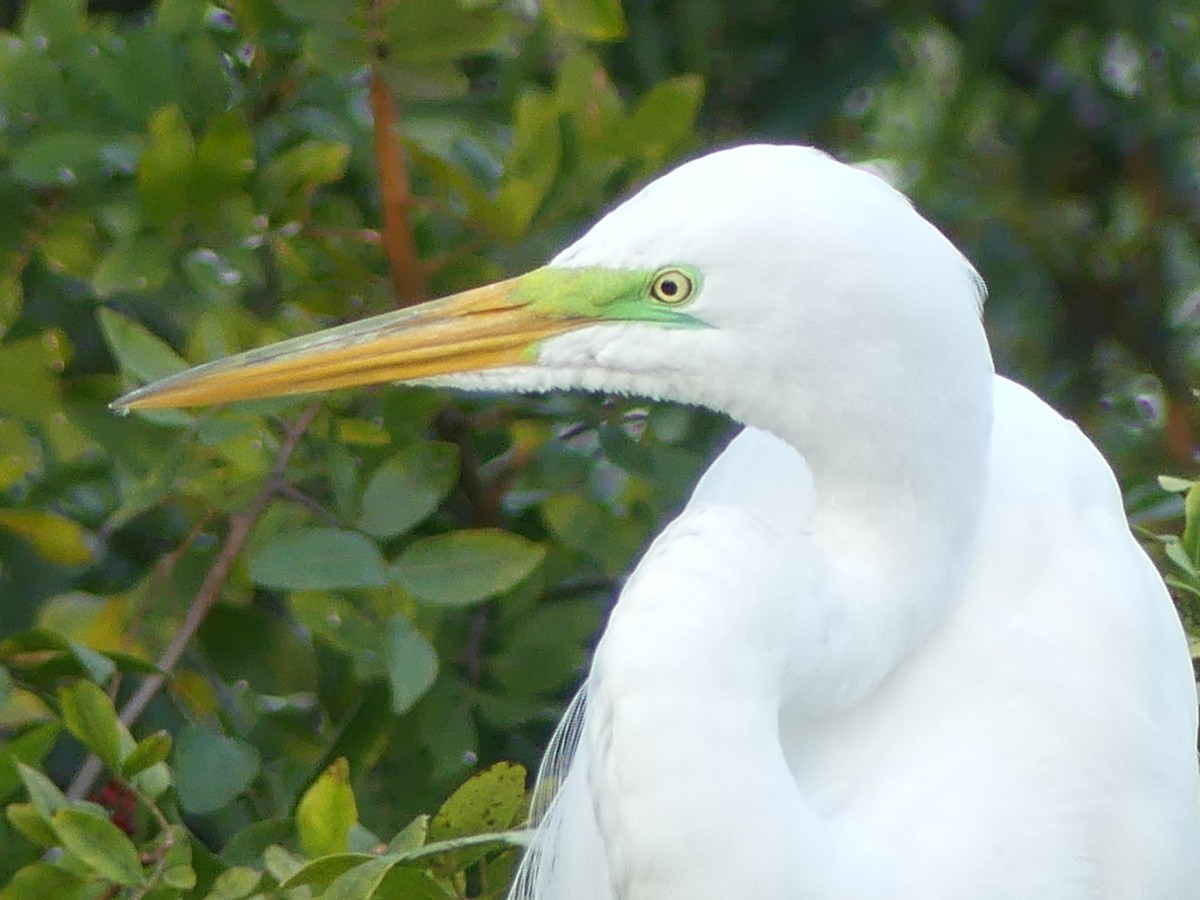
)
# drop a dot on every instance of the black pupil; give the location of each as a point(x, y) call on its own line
point(668, 287)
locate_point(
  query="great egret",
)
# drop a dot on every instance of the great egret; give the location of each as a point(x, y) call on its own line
point(901, 643)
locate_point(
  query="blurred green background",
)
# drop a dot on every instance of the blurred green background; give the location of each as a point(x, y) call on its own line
point(410, 581)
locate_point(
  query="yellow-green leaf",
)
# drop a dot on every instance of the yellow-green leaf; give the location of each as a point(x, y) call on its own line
point(150, 751)
point(100, 844)
point(90, 716)
point(59, 539)
point(42, 881)
point(490, 801)
point(596, 20)
point(327, 812)
point(165, 169)
point(320, 873)
point(235, 883)
point(27, 820)
point(20, 455)
point(47, 799)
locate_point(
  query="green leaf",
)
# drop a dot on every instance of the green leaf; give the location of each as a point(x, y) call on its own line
point(408, 488)
point(212, 769)
point(180, 16)
point(176, 862)
point(235, 883)
point(59, 539)
point(359, 883)
point(384, 879)
point(98, 667)
point(6, 687)
point(140, 352)
point(361, 433)
point(1175, 485)
point(89, 715)
point(441, 80)
point(133, 265)
point(411, 837)
point(30, 370)
point(490, 801)
point(464, 567)
point(320, 873)
point(56, 21)
point(313, 12)
point(309, 164)
point(1175, 552)
point(247, 845)
point(664, 118)
point(152, 781)
point(1191, 527)
point(42, 881)
point(595, 20)
point(182, 878)
point(334, 48)
point(339, 623)
point(12, 296)
point(486, 840)
point(225, 156)
point(411, 661)
point(43, 793)
point(27, 820)
point(58, 159)
point(427, 31)
point(580, 521)
point(29, 747)
point(100, 844)
point(281, 864)
point(20, 455)
point(327, 812)
point(544, 651)
point(165, 170)
point(318, 559)
point(70, 243)
point(150, 751)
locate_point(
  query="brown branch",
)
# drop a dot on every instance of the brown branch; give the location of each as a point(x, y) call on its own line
point(161, 852)
point(162, 572)
point(396, 196)
point(240, 526)
point(293, 493)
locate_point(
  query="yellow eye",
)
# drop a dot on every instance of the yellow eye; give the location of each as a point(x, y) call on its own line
point(672, 286)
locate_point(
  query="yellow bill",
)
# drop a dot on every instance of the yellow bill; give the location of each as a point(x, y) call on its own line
point(479, 329)
point(494, 326)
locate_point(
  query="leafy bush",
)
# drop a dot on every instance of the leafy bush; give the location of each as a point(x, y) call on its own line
point(314, 585)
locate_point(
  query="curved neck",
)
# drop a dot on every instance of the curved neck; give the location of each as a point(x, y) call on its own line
point(897, 504)
point(682, 729)
point(682, 733)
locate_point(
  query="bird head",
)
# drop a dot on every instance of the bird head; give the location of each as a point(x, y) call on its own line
point(730, 282)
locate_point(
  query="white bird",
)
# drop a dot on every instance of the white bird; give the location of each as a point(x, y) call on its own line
point(901, 642)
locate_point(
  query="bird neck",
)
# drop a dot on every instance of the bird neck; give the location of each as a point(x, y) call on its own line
point(682, 733)
point(898, 472)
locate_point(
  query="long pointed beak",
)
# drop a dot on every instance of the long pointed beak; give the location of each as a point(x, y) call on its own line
point(484, 328)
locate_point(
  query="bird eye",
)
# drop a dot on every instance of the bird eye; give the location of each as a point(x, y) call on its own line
point(671, 286)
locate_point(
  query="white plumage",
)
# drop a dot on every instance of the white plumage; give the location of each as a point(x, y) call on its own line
point(909, 650)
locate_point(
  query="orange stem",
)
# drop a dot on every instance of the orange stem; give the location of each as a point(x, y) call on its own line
point(398, 243)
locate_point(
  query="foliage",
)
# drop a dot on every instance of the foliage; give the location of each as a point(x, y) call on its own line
point(284, 628)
